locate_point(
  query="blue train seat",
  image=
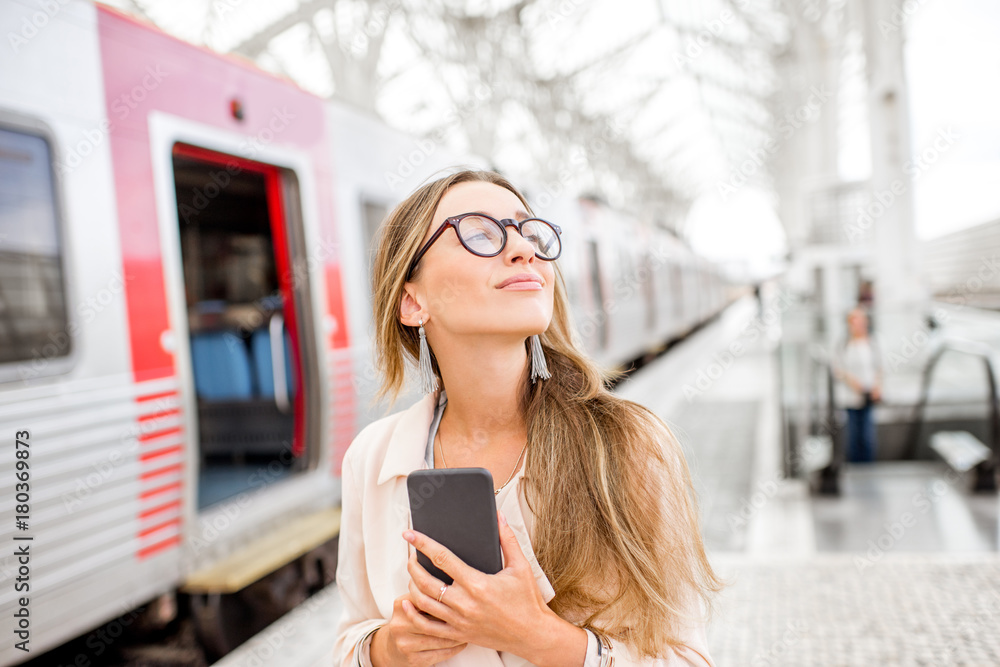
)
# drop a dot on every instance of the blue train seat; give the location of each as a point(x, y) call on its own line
point(221, 366)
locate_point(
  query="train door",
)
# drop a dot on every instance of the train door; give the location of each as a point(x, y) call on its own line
point(247, 335)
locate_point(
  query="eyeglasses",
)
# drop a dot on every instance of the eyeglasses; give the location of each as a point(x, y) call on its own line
point(484, 236)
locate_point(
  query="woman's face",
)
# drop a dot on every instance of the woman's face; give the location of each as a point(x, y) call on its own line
point(465, 294)
point(857, 324)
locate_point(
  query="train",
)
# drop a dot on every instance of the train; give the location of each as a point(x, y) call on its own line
point(185, 320)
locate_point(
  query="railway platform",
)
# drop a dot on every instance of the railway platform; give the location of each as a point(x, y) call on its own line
point(902, 568)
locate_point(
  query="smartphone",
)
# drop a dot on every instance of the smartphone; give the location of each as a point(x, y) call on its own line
point(457, 508)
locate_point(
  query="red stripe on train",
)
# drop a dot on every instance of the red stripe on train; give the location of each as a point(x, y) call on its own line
point(159, 434)
point(153, 397)
point(159, 508)
point(159, 452)
point(157, 415)
point(158, 490)
point(159, 526)
point(159, 546)
point(161, 471)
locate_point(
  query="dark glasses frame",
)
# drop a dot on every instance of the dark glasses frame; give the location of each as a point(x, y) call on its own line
point(502, 224)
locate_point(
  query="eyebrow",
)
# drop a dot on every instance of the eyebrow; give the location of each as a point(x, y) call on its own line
point(518, 214)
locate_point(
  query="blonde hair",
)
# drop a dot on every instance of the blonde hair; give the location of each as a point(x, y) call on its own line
point(616, 529)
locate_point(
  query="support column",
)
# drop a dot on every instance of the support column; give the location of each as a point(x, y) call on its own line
point(899, 293)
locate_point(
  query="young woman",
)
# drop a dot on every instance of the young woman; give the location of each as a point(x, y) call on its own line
point(603, 559)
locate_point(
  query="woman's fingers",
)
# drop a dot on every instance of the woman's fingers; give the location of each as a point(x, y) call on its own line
point(426, 583)
point(512, 554)
point(440, 655)
point(441, 557)
point(430, 627)
point(424, 603)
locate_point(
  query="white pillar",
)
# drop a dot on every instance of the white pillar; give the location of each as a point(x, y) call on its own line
point(899, 294)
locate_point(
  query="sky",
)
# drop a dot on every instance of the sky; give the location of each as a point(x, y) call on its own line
point(953, 60)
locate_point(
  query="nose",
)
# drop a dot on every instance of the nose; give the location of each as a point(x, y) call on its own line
point(517, 245)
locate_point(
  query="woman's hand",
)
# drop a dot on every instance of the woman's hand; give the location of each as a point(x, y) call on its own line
point(401, 643)
point(505, 611)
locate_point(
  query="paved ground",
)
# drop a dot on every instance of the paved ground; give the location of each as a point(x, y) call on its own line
point(847, 610)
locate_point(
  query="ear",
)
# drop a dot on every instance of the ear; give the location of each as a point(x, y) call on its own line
point(410, 310)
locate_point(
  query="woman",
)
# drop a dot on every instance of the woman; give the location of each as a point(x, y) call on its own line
point(859, 368)
point(598, 526)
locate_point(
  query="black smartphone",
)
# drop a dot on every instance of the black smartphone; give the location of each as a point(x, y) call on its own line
point(457, 508)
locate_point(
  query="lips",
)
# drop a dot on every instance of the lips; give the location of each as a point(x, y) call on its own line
point(522, 278)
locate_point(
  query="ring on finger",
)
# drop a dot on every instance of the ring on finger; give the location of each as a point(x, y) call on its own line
point(444, 589)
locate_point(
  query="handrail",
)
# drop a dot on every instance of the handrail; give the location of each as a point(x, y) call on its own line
point(986, 471)
point(829, 476)
point(276, 329)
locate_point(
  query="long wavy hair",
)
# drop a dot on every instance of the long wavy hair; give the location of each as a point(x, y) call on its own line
point(616, 525)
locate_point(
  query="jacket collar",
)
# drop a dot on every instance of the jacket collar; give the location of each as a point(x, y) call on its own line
point(408, 440)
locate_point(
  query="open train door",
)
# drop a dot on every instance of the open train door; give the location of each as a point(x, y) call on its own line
point(249, 341)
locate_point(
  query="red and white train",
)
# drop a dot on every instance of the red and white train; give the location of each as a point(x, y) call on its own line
point(184, 309)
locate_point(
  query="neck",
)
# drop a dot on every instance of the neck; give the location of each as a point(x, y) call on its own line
point(484, 383)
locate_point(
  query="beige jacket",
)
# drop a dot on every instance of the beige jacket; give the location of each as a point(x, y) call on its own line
point(371, 570)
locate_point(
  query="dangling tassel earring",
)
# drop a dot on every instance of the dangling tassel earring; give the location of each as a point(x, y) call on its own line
point(428, 381)
point(539, 369)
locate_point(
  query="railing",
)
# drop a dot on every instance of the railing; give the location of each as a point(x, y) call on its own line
point(817, 417)
point(985, 472)
point(829, 477)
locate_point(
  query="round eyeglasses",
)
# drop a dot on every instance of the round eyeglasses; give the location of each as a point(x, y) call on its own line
point(485, 236)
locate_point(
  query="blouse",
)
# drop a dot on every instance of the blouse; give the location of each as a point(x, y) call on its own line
point(371, 568)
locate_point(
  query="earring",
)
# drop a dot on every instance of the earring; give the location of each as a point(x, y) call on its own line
point(539, 369)
point(428, 380)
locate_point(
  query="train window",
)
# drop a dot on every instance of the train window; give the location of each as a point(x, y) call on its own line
point(34, 324)
point(597, 293)
point(372, 215)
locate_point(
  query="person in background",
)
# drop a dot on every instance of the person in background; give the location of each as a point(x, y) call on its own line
point(858, 367)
